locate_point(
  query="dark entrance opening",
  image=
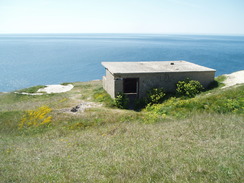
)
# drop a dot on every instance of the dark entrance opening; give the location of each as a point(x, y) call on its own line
point(131, 89)
point(131, 85)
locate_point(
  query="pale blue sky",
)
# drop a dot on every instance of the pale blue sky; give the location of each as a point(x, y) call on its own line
point(122, 16)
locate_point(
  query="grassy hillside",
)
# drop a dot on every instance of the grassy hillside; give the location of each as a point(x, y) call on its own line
point(181, 140)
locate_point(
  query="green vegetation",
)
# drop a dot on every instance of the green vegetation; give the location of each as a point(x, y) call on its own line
point(181, 140)
point(122, 101)
point(65, 84)
point(226, 101)
point(100, 95)
point(33, 89)
point(155, 96)
point(188, 88)
point(220, 79)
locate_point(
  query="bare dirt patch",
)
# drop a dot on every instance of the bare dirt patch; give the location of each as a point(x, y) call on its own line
point(80, 107)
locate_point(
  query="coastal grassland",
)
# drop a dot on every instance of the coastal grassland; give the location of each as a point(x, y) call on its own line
point(202, 148)
point(190, 140)
point(18, 102)
point(13, 107)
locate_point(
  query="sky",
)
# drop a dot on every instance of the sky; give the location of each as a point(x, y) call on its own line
point(123, 16)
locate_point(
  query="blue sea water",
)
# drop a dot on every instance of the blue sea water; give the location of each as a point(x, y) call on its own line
point(40, 59)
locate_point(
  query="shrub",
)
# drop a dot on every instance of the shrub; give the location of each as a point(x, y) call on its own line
point(122, 101)
point(155, 96)
point(35, 118)
point(188, 88)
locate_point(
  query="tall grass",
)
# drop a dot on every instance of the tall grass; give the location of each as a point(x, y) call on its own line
point(203, 148)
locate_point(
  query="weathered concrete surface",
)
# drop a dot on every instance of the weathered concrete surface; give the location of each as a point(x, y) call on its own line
point(153, 67)
point(163, 74)
point(109, 84)
point(165, 80)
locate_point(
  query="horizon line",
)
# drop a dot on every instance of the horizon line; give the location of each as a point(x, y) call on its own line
point(43, 33)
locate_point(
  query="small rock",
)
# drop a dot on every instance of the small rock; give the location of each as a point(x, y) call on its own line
point(75, 109)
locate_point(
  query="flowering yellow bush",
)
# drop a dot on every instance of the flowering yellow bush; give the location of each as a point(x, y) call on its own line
point(36, 117)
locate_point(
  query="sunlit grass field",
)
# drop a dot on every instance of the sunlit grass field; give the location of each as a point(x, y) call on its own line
point(192, 140)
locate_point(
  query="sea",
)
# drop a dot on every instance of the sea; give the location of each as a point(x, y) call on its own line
point(40, 59)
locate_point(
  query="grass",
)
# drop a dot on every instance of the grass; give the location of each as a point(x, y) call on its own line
point(220, 79)
point(203, 148)
point(33, 89)
point(105, 144)
point(100, 95)
point(65, 84)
